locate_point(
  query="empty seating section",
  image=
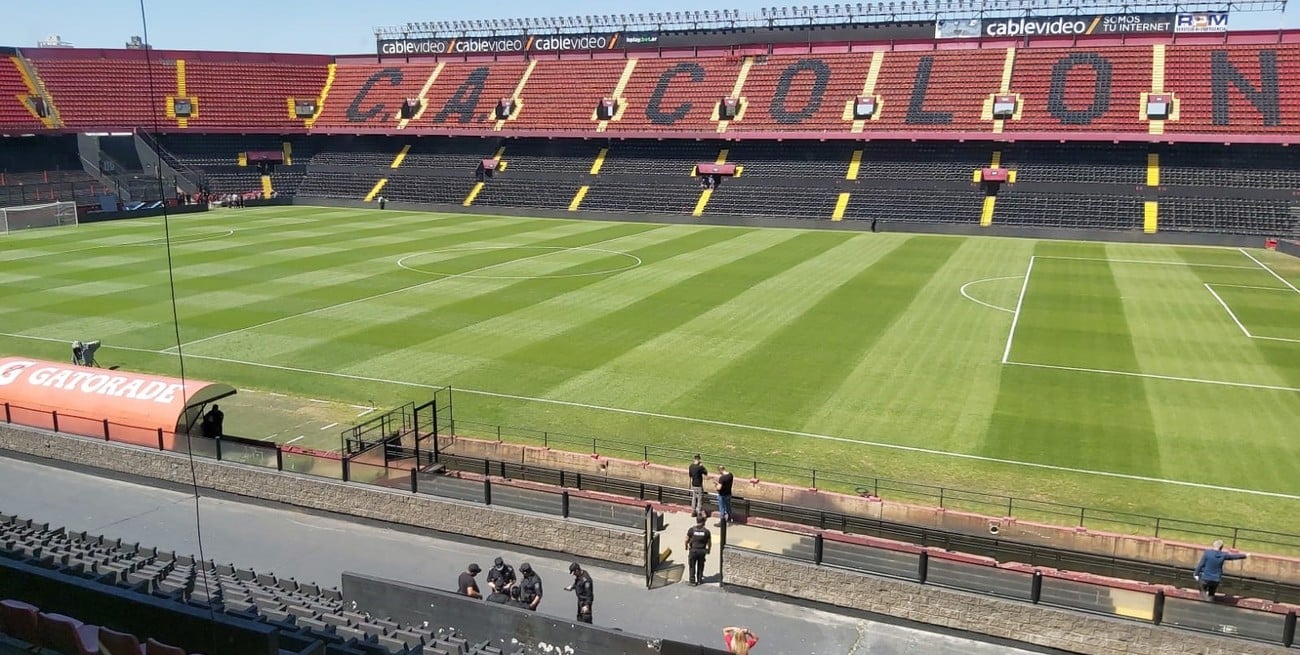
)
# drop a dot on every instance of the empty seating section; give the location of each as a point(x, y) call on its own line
point(544, 194)
point(1264, 217)
point(13, 115)
point(952, 162)
point(806, 92)
point(443, 190)
point(1246, 104)
point(1087, 163)
point(385, 86)
point(774, 202)
point(1240, 166)
point(909, 205)
point(825, 161)
point(465, 95)
point(667, 158)
point(554, 156)
point(377, 151)
point(250, 95)
point(1082, 89)
point(942, 90)
point(1069, 210)
point(108, 94)
point(449, 154)
point(666, 196)
point(335, 184)
point(298, 609)
point(563, 94)
point(676, 94)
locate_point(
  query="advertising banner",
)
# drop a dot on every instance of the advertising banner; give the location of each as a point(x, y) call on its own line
point(1202, 22)
point(134, 405)
point(958, 28)
point(1079, 25)
point(512, 43)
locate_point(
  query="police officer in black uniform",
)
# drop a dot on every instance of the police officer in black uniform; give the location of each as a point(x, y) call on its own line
point(699, 542)
point(530, 588)
point(501, 576)
point(583, 588)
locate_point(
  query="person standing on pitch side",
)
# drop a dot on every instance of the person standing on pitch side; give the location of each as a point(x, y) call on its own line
point(697, 473)
point(699, 542)
point(582, 587)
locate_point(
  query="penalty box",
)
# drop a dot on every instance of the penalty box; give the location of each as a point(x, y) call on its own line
point(1091, 314)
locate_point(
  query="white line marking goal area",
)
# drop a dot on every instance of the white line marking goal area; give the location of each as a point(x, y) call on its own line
point(1222, 295)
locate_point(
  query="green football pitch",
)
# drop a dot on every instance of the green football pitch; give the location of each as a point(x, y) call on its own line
point(1150, 379)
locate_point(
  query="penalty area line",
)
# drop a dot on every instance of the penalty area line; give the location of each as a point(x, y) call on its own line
point(757, 428)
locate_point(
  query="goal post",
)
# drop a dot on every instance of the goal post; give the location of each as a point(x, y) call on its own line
point(51, 214)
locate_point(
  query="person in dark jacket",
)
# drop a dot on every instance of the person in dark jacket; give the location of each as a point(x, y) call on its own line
point(530, 587)
point(583, 588)
point(1209, 571)
point(501, 576)
point(699, 541)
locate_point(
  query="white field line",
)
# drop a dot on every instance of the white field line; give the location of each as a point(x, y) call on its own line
point(1154, 376)
point(1015, 319)
point(758, 428)
point(1275, 339)
point(1248, 286)
point(328, 426)
point(1271, 271)
point(377, 296)
point(301, 436)
point(365, 412)
point(1143, 261)
point(981, 302)
point(1228, 309)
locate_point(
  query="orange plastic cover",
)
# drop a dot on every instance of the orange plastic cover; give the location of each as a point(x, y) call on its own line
point(134, 405)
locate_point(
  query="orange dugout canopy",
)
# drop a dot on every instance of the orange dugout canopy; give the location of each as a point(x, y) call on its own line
point(131, 407)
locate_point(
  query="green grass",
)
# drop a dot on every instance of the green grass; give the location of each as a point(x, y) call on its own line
point(848, 353)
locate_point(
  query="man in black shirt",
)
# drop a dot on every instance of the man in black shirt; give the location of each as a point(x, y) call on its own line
point(699, 542)
point(216, 418)
point(697, 473)
point(515, 600)
point(583, 588)
point(530, 588)
point(725, 479)
point(499, 596)
point(501, 576)
point(466, 585)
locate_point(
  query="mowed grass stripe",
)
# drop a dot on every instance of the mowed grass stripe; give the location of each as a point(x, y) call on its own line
point(710, 342)
point(791, 373)
point(899, 380)
point(591, 345)
point(446, 327)
point(1072, 315)
point(669, 256)
point(381, 325)
point(152, 303)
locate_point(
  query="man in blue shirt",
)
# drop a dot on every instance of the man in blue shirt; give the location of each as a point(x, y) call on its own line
point(1209, 571)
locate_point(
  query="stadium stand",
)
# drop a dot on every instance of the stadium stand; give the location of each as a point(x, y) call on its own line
point(1080, 88)
point(386, 87)
point(1244, 103)
point(13, 114)
point(802, 92)
point(464, 94)
point(672, 94)
point(251, 94)
point(562, 94)
point(107, 90)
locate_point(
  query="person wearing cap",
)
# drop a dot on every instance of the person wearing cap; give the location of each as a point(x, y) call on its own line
point(699, 542)
point(1209, 571)
point(499, 596)
point(466, 585)
point(501, 576)
point(697, 473)
point(530, 588)
point(583, 588)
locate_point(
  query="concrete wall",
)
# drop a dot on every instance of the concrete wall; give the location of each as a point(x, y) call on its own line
point(1289, 247)
point(1147, 549)
point(1035, 624)
point(625, 547)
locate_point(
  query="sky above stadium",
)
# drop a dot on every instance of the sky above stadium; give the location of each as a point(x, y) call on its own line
point(328, 26)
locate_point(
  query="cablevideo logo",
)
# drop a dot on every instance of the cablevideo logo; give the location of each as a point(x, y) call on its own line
point(1059, 26)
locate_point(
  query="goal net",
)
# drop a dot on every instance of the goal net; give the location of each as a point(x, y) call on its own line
point(48, 215)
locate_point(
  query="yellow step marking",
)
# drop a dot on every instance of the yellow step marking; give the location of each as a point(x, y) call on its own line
point(1150, 216)
point(287, 148)
point(375, 191)
point(1153, 169)
point(735, 93)
point(577, 198)
point(855, 163)
point(600, 161)
point(703, 202)
point(331, 71)
point(266, 186)
point(517, 96)
point(617, 95)
point(424, 91)
point(986, 214)
point(841, 204)
point(401, 156)
point(869, 88)
point(473, 193)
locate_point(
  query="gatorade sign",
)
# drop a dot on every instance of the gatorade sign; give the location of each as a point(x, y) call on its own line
point(135, 405)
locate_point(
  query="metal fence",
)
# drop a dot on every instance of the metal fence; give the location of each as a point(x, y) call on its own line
point(977, 502)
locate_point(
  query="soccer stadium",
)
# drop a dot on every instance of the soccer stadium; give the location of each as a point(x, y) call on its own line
point(895, 327)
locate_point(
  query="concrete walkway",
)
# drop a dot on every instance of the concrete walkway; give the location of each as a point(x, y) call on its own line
point(317, 548)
